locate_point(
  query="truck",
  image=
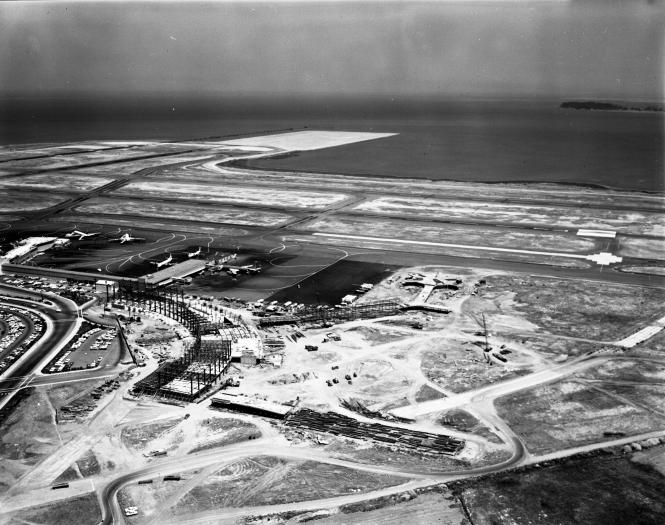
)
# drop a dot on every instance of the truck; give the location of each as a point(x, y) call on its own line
point(311, 348)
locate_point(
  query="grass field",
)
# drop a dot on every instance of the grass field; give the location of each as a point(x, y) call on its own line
point(27, 436)
point(21, 201)
point(592, 310)
point(192, 212)
point(594, 491)
point(453, 234)
point(55, 182)
point(82, 510)
point(650, 223)
point(242, 195)
point(572, 413)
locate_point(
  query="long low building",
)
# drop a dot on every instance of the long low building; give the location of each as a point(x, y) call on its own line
point(177, 271)
point(248, 405)
point(24, 269)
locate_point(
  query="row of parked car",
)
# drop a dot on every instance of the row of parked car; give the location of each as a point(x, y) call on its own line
point(16, 327)
point(102, 342)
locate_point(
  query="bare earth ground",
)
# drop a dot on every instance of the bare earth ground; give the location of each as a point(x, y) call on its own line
point(250, 482)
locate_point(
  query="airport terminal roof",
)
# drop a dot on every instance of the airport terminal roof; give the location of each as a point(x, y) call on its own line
point(177, 271)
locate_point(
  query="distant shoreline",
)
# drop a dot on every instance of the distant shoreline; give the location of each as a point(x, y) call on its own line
point(609, 106)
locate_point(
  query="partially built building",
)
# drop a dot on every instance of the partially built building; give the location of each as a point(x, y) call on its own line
point(191, 376)
point(321, 314)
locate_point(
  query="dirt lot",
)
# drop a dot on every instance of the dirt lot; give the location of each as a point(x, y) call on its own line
point(372, 454)
point(181, 211)
point(456, 370)
point(253, 481)
point(592, 310)
point(572, 413)
point(137, 437)
point(594, 491)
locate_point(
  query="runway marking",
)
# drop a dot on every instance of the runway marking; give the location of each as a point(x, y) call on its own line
point(602, 258)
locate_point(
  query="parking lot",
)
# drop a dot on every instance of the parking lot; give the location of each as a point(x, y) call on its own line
point(92, 347)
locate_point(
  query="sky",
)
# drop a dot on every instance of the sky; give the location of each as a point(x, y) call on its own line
point(611, 50)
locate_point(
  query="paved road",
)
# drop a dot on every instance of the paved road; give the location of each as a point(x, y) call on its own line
point(63, 320)
point(113, 513)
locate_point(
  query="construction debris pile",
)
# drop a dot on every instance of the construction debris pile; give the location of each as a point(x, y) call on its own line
point(87, 402)
point(405, 439)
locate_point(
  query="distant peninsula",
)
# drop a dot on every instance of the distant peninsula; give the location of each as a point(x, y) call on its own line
point(608, 106)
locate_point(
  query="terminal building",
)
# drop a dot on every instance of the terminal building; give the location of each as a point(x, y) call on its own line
point(172, 273)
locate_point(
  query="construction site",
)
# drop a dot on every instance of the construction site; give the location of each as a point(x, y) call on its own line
point(191, 376)
point(216, 343)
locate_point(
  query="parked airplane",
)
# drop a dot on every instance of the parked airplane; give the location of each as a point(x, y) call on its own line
point(81, 235)
point(193, 254)
point(248, 268)
point(127, 238)
point(164, 262)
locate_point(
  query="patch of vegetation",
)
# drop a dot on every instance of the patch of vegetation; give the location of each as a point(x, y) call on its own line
point(592, 490)
point(427, 393)
point(83, 510)
point(591, 310)
point(67, 475)
point(464, 422)
point(88, 464)
point(571, 413)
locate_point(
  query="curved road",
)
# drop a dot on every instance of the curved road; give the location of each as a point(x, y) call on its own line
point(262, 447)
point(63, 317)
